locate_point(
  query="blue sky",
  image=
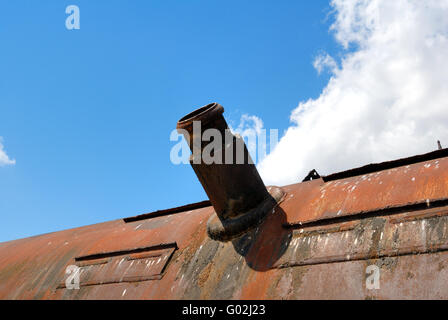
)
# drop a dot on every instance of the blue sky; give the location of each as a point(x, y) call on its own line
point(87, 113)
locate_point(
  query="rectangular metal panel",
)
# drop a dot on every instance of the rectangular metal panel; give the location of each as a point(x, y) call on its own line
point(138, 264)
point(409, 233)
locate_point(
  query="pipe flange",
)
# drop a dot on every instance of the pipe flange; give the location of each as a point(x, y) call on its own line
point(228, 229)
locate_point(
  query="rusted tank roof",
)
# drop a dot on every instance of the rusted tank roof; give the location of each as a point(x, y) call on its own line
point(412, 184)
point(315, 244)
point(319, 239)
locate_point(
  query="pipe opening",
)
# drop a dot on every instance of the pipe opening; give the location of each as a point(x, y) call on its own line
point(196, 114)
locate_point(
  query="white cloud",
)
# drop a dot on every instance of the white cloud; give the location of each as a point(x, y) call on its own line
point(388, 99)
point(325, 61)
point(4, 159)
point(250, 128)
point(249, 125)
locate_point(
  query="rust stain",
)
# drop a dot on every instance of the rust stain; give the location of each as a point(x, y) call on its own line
point(316, 244)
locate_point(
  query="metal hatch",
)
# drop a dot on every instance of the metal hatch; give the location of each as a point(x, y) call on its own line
point(139, 264)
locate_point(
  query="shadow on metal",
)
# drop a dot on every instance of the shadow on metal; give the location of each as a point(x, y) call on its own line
point(263, 246)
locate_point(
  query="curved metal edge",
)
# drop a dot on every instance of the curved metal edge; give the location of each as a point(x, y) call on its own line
point(209, 113)
point(229, 229)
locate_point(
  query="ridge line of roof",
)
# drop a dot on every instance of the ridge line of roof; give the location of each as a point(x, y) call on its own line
point(374, 167)
point(158, 213)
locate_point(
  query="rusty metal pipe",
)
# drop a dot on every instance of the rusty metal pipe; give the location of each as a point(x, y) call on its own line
point(234, 187)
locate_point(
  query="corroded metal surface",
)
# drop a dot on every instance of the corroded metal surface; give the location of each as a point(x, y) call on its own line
point(413, 184)
point(281, 259)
